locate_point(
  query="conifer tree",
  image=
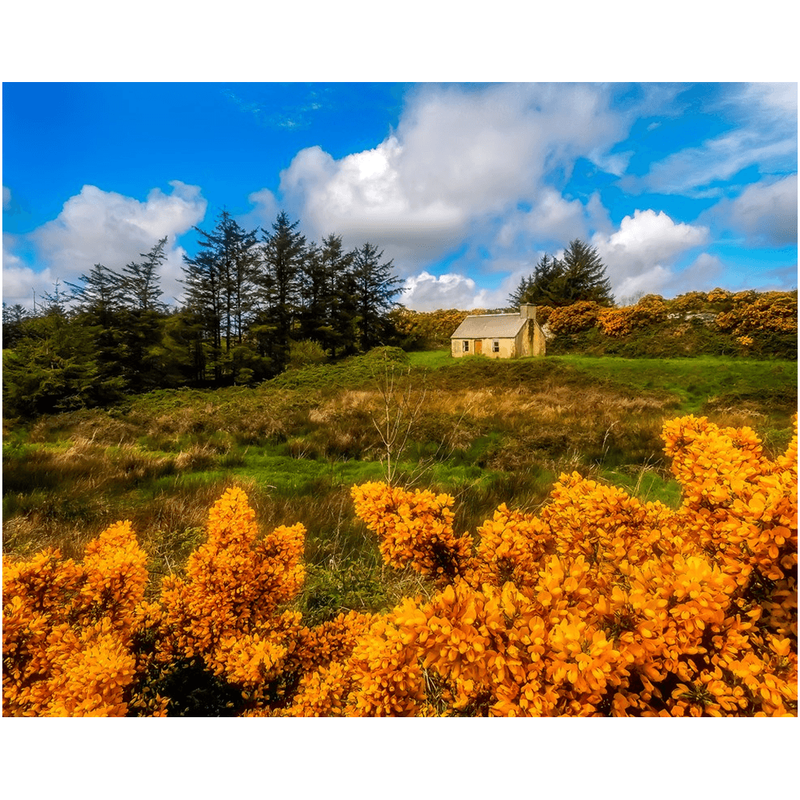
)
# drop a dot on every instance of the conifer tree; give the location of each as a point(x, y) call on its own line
point(579, 275)
point(374, 286)
point(583, 276)
point(99, 308)
point(283, 253)
point(13, 318)
point(220, 283)
point(323, 276)
point(541, 287)
point(55, 367)
point(141, 280)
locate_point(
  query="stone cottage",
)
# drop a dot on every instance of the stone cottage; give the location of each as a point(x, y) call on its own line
point(499, 335)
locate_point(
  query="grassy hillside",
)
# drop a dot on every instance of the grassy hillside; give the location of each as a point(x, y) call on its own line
point(485, 431)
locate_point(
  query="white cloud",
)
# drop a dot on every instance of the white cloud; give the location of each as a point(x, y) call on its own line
point(765, 134)
point(640, 256)
point(704, 273)
point(426, 292)
point(265, 211)
point(109, 228)
point(718, 159)
point(459, 156)
point(767, 212)
point(553, 220)
point(6, 198)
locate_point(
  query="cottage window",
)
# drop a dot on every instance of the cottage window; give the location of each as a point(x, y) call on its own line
point(466, 345)
point(495, 346)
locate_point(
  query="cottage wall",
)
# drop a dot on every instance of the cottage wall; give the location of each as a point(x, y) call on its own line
point(508, 347)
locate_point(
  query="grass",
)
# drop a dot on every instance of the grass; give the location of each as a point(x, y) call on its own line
point(486, 431)
point(695, 381)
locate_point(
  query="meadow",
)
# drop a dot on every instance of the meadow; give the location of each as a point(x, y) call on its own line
point(486, 432)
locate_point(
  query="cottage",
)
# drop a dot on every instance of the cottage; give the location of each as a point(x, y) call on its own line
point(499, 335)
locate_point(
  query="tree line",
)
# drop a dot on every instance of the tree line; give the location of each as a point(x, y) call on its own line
point(248, 294)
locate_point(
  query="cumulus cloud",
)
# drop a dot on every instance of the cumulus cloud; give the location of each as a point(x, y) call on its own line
point(640, 256)
point(20, 283)
point(553, 220)
point(264, 213)
point(426, 292)
point(459, 156)
point(766, 212)
point(108, 228)
point(702, 274)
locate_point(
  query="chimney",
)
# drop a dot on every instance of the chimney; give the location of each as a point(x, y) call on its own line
point(528, 312)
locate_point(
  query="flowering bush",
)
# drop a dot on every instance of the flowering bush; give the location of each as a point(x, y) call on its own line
point(690, 301)
point(600, 605)
point(68, 629)
point(574, 318)
point(771, 312)
point(649, 310)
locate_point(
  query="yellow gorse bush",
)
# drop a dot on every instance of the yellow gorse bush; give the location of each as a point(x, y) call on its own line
point(68, 629)
point(599, 605)
point(574, 318)
point(772, 312)
point(622, 321)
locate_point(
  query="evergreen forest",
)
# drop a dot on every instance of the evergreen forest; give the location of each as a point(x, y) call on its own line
point(249, 298)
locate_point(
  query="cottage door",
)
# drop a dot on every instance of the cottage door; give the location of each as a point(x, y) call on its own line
point(478, 346)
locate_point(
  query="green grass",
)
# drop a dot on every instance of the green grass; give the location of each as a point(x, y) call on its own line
point(696, 381)
point(431, 359)
point(298, 443)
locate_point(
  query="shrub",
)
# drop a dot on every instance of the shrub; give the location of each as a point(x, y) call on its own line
point(600, 605)
point(574, 318)
point(772, 312)
point(650, 310)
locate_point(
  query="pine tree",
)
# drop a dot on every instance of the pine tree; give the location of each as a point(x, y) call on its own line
point(282, 256)
point(99, 308)
point(13, 318)
point(143, 315)
point(54, 367)
point(542, 287)
point(141, 281)
point(583, 276)
point(220, 282)
point(324, 272)
point(579, 275)
point(374, 287)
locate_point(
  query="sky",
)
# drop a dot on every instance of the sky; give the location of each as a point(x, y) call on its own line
point(464, 186)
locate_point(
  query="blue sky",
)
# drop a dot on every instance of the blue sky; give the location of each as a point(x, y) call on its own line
point(680, 186)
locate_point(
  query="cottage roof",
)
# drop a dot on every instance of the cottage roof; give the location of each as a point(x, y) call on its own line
point(489, 326)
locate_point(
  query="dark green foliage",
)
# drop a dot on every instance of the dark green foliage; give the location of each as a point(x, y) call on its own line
point(327, 306)
point(141, 281)
point(221, 283)
point(54, 367)
point(283, 253)
point(579, 275)
point(193, 690)
point(541, 287)
point(13, 317)
point(583, 276)
point(374, 289)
